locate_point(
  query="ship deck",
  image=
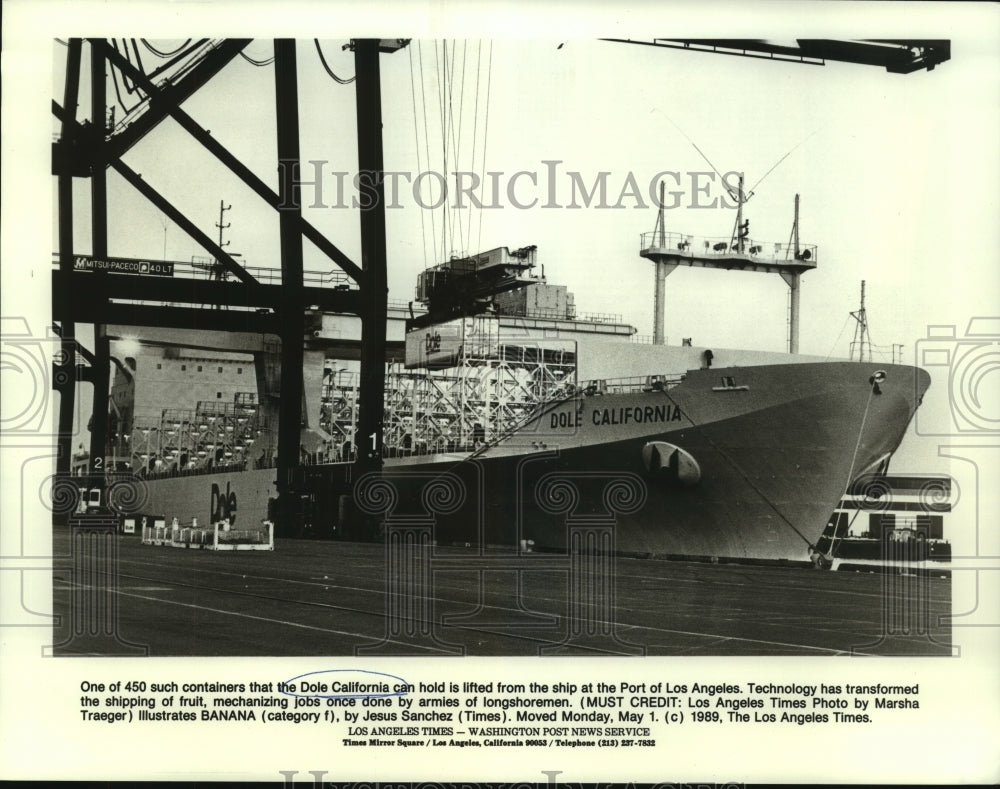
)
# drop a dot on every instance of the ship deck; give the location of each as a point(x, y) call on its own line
point(329, 598)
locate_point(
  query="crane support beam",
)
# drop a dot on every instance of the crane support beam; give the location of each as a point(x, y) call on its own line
point(77, 293)
point(894, 55)
point(368, 92)
point(180, 318)
point(163, 100)
point(101, 365)
point(290, 521)
point(175, 215)
point(239, 169)
point(67, 392)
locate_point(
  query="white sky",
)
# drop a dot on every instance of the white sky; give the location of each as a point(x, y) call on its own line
point(897, 184)
point(897, 175)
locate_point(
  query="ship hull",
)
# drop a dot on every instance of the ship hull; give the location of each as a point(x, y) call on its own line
point(766, 453)
point(733, 463)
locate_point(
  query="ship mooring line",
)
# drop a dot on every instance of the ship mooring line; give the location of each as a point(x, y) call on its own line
point(543, 408)
point(735, 465)
point(832, 347)
point(833, 537)
point(857, 445)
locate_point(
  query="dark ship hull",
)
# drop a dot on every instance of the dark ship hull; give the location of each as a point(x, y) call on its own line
point(730, 463)
point(742, 463)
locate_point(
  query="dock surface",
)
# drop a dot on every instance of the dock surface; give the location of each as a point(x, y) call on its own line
point(329, 598)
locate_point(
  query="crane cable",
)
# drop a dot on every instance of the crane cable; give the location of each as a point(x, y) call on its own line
point(475, 127)
point(451, 137)
point(486, 129)
point(114, 80)
point(445, 235)
point(257, 63)
point(328, 69)
point(457, 140)
point(416, 138)
point(164, 55)
point(427, 145)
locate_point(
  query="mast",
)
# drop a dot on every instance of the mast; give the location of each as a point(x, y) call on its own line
point(660, 272)
point(861, 335)
point(662, 220)
point(736, 242)
point(795, 228)
point(792, 280)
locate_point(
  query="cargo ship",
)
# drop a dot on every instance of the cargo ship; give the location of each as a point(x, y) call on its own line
point(739, 462)
point(532, 420)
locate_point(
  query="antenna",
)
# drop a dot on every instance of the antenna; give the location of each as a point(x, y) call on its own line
point(775, 165)
point(218, 271)
point(164, 221)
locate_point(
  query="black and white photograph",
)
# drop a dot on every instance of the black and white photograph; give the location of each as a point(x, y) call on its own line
point(648, 386)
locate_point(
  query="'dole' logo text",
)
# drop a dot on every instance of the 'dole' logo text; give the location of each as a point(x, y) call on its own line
point(223, 505)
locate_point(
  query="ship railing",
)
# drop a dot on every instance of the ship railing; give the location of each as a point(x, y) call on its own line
point(193, 307)
point(600, 317)
point(683, 244)
point(216, 408)
point(630, 385)
point(199, 471)
point(566, 314)
point(649, 339)
point(399, 304)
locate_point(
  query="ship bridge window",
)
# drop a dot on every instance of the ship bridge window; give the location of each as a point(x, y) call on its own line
point(199, 368)
point(220, 369)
